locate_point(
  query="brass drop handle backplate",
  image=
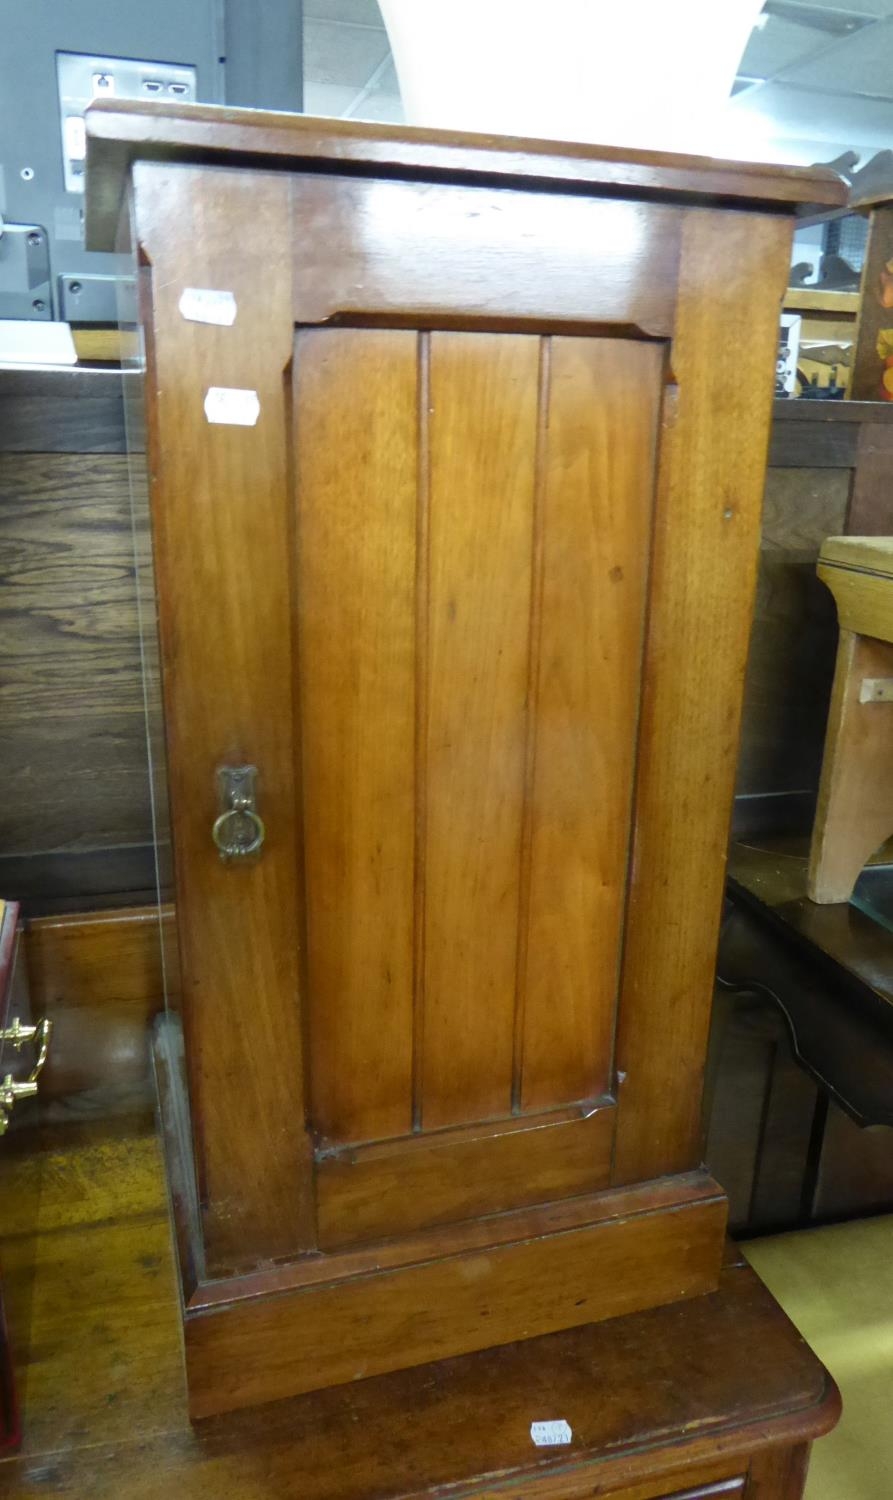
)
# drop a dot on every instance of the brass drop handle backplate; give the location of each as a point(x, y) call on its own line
point(238, 829)
point(10, 1090)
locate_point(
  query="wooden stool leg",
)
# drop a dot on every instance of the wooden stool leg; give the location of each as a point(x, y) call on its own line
point(778, 1474)
point(855, 810)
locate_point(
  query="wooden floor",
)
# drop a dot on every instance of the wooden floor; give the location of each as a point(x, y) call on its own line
point(105, 1413)
point(105, 1365)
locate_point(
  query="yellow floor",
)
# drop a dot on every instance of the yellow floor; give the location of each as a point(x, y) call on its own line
point(836, 1284)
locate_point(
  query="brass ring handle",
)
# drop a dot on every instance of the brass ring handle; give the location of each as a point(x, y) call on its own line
point(225, 832)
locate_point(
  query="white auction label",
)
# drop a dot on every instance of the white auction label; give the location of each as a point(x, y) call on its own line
point(201, 304)
point(550, 1434)
point(225, 403)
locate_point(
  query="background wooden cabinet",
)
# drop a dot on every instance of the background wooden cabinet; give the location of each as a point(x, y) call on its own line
point(472, 593)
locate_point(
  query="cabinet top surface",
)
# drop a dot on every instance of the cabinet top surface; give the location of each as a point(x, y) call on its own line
point(120, 132)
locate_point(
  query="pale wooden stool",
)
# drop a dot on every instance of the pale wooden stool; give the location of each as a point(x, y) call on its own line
point(855, 809)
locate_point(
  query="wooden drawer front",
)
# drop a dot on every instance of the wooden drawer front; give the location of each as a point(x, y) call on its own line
point(656, 1489)
point(725, 1489)
point(583, 1487)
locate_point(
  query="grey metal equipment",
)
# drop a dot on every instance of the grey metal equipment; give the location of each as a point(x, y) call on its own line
point(24, 271)
point(55, 60)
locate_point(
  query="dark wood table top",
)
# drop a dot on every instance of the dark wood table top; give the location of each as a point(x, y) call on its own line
point(857, 936)
point(829, 968)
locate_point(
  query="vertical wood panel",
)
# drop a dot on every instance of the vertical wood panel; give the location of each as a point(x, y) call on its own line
point(220, 512)
point(483, 390)
point(778, 1473)
point(73, 747)
point(356, 469)
point(868, 369)
point(707, 529)
point(855, 1175)
point(871, 503)
point(598, 477)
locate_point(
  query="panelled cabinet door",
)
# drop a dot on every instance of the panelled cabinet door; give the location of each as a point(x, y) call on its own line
point(473, 514)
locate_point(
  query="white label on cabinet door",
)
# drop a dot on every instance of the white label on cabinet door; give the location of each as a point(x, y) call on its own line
point(201, 304)
point(225, 403)
point(550, 1434)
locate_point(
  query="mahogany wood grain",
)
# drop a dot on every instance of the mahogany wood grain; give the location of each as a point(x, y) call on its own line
point(225, 637)
point(710, 1489)
point(355, 255)
point(774, 871)
point(356, 433)
point(778, 1474)
point(264, 1348)
point(437, 1178)
point(594, 522)
point(871, 501)
point(688, 1192)
point(708, 1481)
point(98, 976)
point(120, 131)
point(720, 1489)
point(97, 958)
point(484, 395)
point(710, 485)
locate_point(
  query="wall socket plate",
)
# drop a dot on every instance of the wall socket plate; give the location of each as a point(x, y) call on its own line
point(83, 77)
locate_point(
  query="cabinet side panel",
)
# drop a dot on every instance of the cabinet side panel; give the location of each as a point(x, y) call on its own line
point(595, 525)
point(707, 524)
point(356, 473)
point(482, 442)
point(219, 497)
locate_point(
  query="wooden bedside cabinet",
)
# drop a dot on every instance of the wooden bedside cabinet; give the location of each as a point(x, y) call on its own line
point(455, 493)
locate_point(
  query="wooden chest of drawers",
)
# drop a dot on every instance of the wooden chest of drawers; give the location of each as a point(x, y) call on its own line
point(455, 518)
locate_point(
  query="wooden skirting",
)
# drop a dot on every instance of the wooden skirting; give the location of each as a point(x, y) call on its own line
point(639, 1247)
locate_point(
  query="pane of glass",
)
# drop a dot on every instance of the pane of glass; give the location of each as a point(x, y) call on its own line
point(873, 894)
